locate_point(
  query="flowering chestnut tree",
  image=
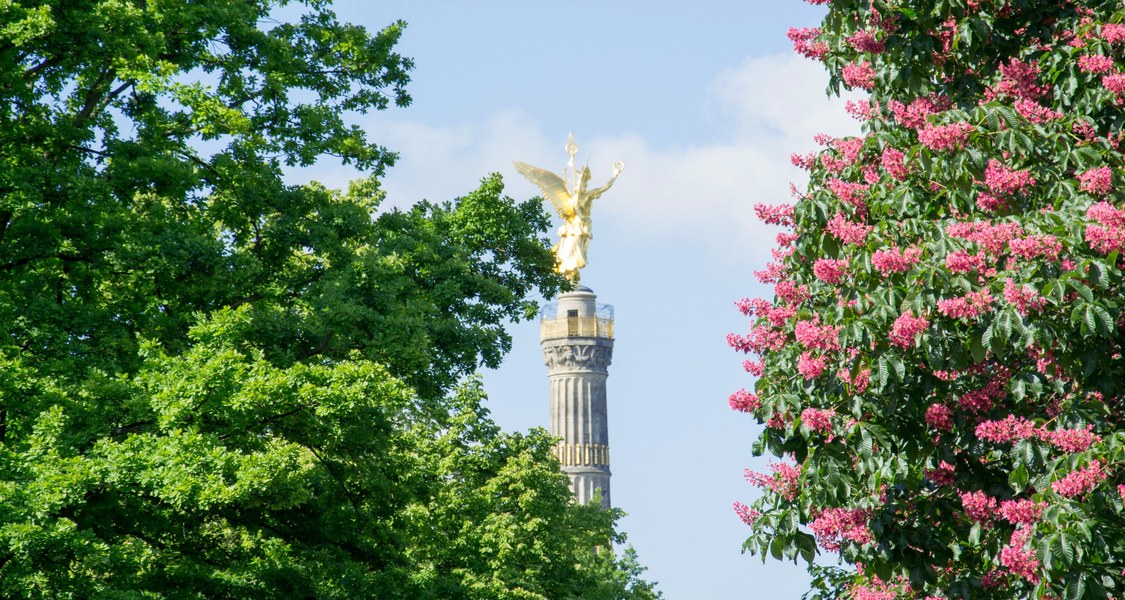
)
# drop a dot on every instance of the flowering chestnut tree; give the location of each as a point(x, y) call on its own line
point(939, 371)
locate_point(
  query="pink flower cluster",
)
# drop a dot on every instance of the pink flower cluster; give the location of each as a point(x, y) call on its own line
point(914, 115)
point(834, 526)
point(969, 306)
point(942, 475)
point(1019, 560)
point(979, 506)
point(1035, 112)
point(747, 514)
point(859, 75)
point(1021, 512)
point(960, 261)
point(852, 193)
point(991, 238)
point(865, 41)
point(982, 399)
point(939, 417)
point(1113, 33)
point(782, 481)
point(906, 327)
point(1002, 180)
point(876, 590)
point(847, 231)
point(1080, 481)
point(781, 214)
point(791, 293)
point(1018, 80)
point(806, 44)
point(895, 260)
point(894, 163)
point(830, 270)
point(1095, 63)
point(1036, 246)
point(944, 137)
point(1024, 298)
point(818, 420)
point(744, 401)
point(1109, 234)
point(860, 382)
point(810, 366)
point(1097, 181)
point(814, 336)
point(1013, 428)
point(1114, 82)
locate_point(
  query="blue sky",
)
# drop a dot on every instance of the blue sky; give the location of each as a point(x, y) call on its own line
point(704, 102)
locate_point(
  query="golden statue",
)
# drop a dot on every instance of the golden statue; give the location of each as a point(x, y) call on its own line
point(572, 202)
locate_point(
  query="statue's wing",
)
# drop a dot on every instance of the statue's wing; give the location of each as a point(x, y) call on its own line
point(552, 186)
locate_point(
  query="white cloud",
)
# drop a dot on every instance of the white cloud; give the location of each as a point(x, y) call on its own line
point(770, 106)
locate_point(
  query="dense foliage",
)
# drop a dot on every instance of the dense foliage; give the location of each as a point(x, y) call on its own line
point(940, 368)
point(214, 384)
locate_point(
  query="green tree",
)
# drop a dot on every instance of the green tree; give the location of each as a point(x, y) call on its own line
point(942, 358)
point(214, 384)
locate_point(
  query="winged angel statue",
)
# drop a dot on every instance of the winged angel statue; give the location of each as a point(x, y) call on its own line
point(572, 201)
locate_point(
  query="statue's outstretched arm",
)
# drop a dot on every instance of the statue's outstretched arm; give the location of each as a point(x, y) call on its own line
point(618, 167)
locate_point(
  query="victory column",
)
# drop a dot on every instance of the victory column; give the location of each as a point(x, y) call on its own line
point(577, 335)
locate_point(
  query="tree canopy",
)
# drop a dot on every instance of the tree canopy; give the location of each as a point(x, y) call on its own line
point(940, 368)
point(214, 384)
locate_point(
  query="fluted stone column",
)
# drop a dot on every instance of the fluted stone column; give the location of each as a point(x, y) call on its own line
point(577, 338)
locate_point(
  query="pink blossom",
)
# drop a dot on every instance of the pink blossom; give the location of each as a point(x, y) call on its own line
point(852, 193)
point(803, 161)
point(754, 367)
point(791, 293)
point(942, 475)
point(1097, 181)
point(1024, 298)
point(982, 399)
point(863, 110)
point(1035, 246)
point(960, 261)
point(805, 42)
point(1035, 112)
point(847, 231)
point(865, 41)
point(914, 115)
point(781, 214)
point(1071, 440)
point(1109, 234)
point(1021, 512)
point(747, 514)
point(1080, 481)
point(1010, 429)
point(860, 382)
point(1018, 80)
point(744, 401)
point(785, 240)
point(895, 260)
point(859, 75)
point(1095, 63)
point(944, 137)
point(814, 336)
point(991, 238)
point(834, 526)
point(810, 366)
point(906, 328)
point(876, 590)
point(773, 273)
point(830, 270)
point(1019, 560)
point(1002, 180)
point(978, 506)
point(1114, 33)
point(969, 306)
point(818, 420)
point(894, 163)
point(939, 417)
point(782, 481)
point(1114, 82)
